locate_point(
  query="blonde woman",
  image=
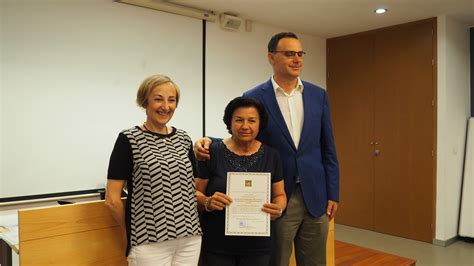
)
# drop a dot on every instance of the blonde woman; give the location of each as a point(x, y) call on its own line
point(156, 163)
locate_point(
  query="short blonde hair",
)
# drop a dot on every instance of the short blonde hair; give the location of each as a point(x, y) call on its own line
point(149, 84)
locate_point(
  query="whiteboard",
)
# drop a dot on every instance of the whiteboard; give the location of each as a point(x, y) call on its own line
point(70, 70)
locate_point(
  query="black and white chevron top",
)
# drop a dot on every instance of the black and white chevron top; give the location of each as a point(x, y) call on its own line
point(161, 203)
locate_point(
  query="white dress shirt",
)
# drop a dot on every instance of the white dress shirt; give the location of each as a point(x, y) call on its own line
point(291, 106)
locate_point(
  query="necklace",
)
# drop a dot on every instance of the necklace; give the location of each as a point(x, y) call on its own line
point(144, 125)
point(242, 163)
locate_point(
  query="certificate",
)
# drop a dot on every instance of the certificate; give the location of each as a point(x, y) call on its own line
point(244, 216)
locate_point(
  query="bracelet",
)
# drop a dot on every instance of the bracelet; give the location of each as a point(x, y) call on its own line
point(206, 204)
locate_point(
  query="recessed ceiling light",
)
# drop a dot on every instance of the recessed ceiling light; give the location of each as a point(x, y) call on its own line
point(380, 10)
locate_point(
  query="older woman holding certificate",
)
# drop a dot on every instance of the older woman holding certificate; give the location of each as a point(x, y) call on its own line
point(239, 155)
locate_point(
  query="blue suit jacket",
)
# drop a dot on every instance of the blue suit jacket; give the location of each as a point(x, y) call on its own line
point(314, 160)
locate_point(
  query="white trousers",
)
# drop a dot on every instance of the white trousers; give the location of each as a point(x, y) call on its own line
point(177, 252)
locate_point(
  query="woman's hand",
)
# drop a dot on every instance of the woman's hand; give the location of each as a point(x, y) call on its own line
point(218, 201)
point(278, 205)
point(273, 209)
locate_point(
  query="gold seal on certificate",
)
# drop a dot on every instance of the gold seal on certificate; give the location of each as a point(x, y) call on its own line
point(244, 216)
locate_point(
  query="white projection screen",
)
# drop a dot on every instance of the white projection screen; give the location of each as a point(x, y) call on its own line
point(70, 70)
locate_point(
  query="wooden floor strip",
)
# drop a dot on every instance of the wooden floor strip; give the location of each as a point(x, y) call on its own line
point(348, 254)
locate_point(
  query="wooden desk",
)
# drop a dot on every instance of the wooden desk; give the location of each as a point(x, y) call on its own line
point(76, 234)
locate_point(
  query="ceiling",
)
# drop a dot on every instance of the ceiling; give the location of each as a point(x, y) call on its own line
point(332, 18)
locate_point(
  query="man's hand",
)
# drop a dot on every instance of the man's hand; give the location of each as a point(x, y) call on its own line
point(332, 209)
point(201, 149)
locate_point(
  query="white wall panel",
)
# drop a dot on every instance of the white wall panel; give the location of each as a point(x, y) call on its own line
point(70, 72)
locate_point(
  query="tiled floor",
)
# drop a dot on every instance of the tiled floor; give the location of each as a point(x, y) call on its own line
point(459, 253)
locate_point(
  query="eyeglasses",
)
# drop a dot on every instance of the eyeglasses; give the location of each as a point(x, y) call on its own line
point(291, 53)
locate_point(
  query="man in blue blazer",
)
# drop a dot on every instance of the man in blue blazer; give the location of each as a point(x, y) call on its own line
point(299, 127)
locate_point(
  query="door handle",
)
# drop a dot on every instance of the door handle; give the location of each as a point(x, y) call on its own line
point(376, 153)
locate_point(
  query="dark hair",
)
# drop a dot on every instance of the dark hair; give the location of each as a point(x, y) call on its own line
point(244, 102)
point(273, 43)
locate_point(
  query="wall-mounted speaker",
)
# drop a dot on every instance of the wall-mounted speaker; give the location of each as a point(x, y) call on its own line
point(229, 22)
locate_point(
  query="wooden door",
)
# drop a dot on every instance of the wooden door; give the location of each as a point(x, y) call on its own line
point(350, 67)
point(404, 112)
point(382, 87)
